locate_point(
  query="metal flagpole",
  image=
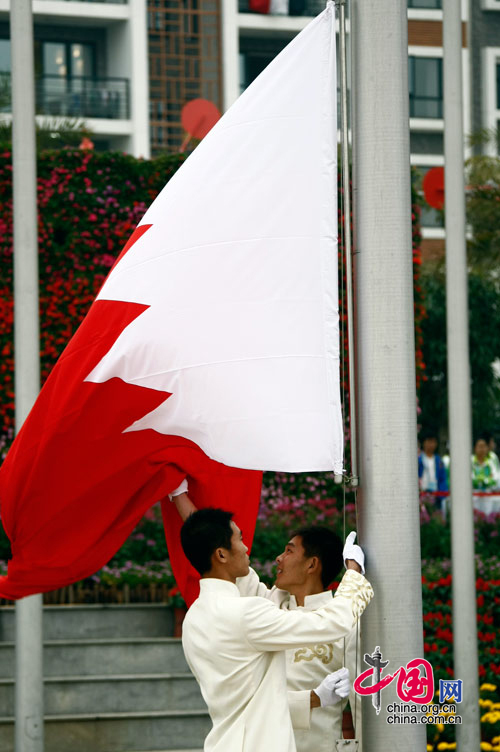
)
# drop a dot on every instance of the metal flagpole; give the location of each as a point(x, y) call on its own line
point(29, 675)
point(344, 134)
point(388, 508)
point(459, 400)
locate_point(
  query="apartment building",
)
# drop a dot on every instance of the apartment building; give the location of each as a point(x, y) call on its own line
point(484, 35)
point(127, 67)
point(253, 39)
point(91, 64)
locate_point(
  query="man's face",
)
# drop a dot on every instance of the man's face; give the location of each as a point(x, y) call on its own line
point(237, 556)
point(430, 445)
point(292, 565)
point(481, 450)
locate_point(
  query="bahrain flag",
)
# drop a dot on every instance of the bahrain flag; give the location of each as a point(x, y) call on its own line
point(212, 349)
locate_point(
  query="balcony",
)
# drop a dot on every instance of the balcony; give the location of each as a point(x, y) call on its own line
point(83, 97)
point(109, 2)
point(425, 4)
point(296, 7)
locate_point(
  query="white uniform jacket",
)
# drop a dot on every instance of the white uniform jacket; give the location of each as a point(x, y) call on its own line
point(235, 649)
point(306, 667)
point(315, 730)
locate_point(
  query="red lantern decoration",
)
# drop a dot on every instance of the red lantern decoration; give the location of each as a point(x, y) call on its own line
point(198, 117)
point(433, 187)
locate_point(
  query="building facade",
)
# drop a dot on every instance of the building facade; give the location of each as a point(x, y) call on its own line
point(91, 66)
point(251, 40)
point(485, 58)
point(127, 67)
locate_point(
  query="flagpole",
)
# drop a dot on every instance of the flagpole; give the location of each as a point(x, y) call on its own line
point(388, 508)
point(346, 187)
point(29, 673)
point(459, 400)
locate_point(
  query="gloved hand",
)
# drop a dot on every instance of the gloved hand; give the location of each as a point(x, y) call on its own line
point(334, 687)
point(183, 488)
point(352, 551)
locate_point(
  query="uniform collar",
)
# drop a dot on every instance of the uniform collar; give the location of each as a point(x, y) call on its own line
point(312, 602)
point(212, 585)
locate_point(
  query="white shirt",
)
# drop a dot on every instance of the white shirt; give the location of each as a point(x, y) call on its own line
point(235, 649)
point(317, 730)
point(428, 481)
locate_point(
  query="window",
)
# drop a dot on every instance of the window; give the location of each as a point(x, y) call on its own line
point(498, 86)
point(4, 55)
point(251, 66)
point(429, 4)
point(67, 59)
point(426, 87)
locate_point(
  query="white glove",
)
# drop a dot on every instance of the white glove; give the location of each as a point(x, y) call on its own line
point(334, 687)
point(183, 488)
point(352, 551)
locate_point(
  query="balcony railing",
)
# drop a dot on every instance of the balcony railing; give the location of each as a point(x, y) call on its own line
point(296, 7)
point(83, 97)
point(110, 2)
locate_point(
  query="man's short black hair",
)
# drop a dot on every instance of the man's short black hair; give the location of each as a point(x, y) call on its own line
point(428, 433)
point(484, 436)
point(202, 533)
point(326, 545)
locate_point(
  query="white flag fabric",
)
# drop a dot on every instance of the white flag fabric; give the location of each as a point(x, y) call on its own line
point(238, 271)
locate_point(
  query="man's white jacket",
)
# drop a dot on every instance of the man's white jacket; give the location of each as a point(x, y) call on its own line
point(235, 649)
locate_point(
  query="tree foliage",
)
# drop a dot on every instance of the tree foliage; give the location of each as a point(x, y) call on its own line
point(484, 344)
point(483, 212)
point(483, 247)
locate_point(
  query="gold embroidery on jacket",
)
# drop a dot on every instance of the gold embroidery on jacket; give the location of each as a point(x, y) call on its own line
point(359, 590)
point(324, 652)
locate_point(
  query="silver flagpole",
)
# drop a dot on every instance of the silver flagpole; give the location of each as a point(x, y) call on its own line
point(344, 134)
point(388, 508)
point(459, 400)
point(29, 676)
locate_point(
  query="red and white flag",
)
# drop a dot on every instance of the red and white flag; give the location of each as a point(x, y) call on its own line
point(212, 345)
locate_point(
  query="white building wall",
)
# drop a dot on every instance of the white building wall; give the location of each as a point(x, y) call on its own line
point(126, 57)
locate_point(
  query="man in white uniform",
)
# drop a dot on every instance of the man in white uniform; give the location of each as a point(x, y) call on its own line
point(236, 646)
point(311, 560)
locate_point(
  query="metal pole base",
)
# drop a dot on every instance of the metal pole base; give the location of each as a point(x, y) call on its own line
point(347, 745)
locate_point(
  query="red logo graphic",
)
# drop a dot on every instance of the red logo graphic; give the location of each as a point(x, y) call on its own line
point(415, 680)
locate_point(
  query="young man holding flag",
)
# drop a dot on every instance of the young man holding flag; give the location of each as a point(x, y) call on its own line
point(236, 646)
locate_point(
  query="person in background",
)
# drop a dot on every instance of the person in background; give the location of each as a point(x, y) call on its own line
point(492, 445)
point(431, 470)
point(485, 470)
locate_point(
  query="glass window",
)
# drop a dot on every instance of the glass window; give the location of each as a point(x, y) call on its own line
point(81, 60)
point(498, 86)
point(67, 59)
point(433, 4)
point(253, 65)
point(426, 87)
point(4, 55)
point(54, 59)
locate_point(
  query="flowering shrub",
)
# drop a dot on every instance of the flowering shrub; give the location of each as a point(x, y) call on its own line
point(438, 644)
point(89, 203)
